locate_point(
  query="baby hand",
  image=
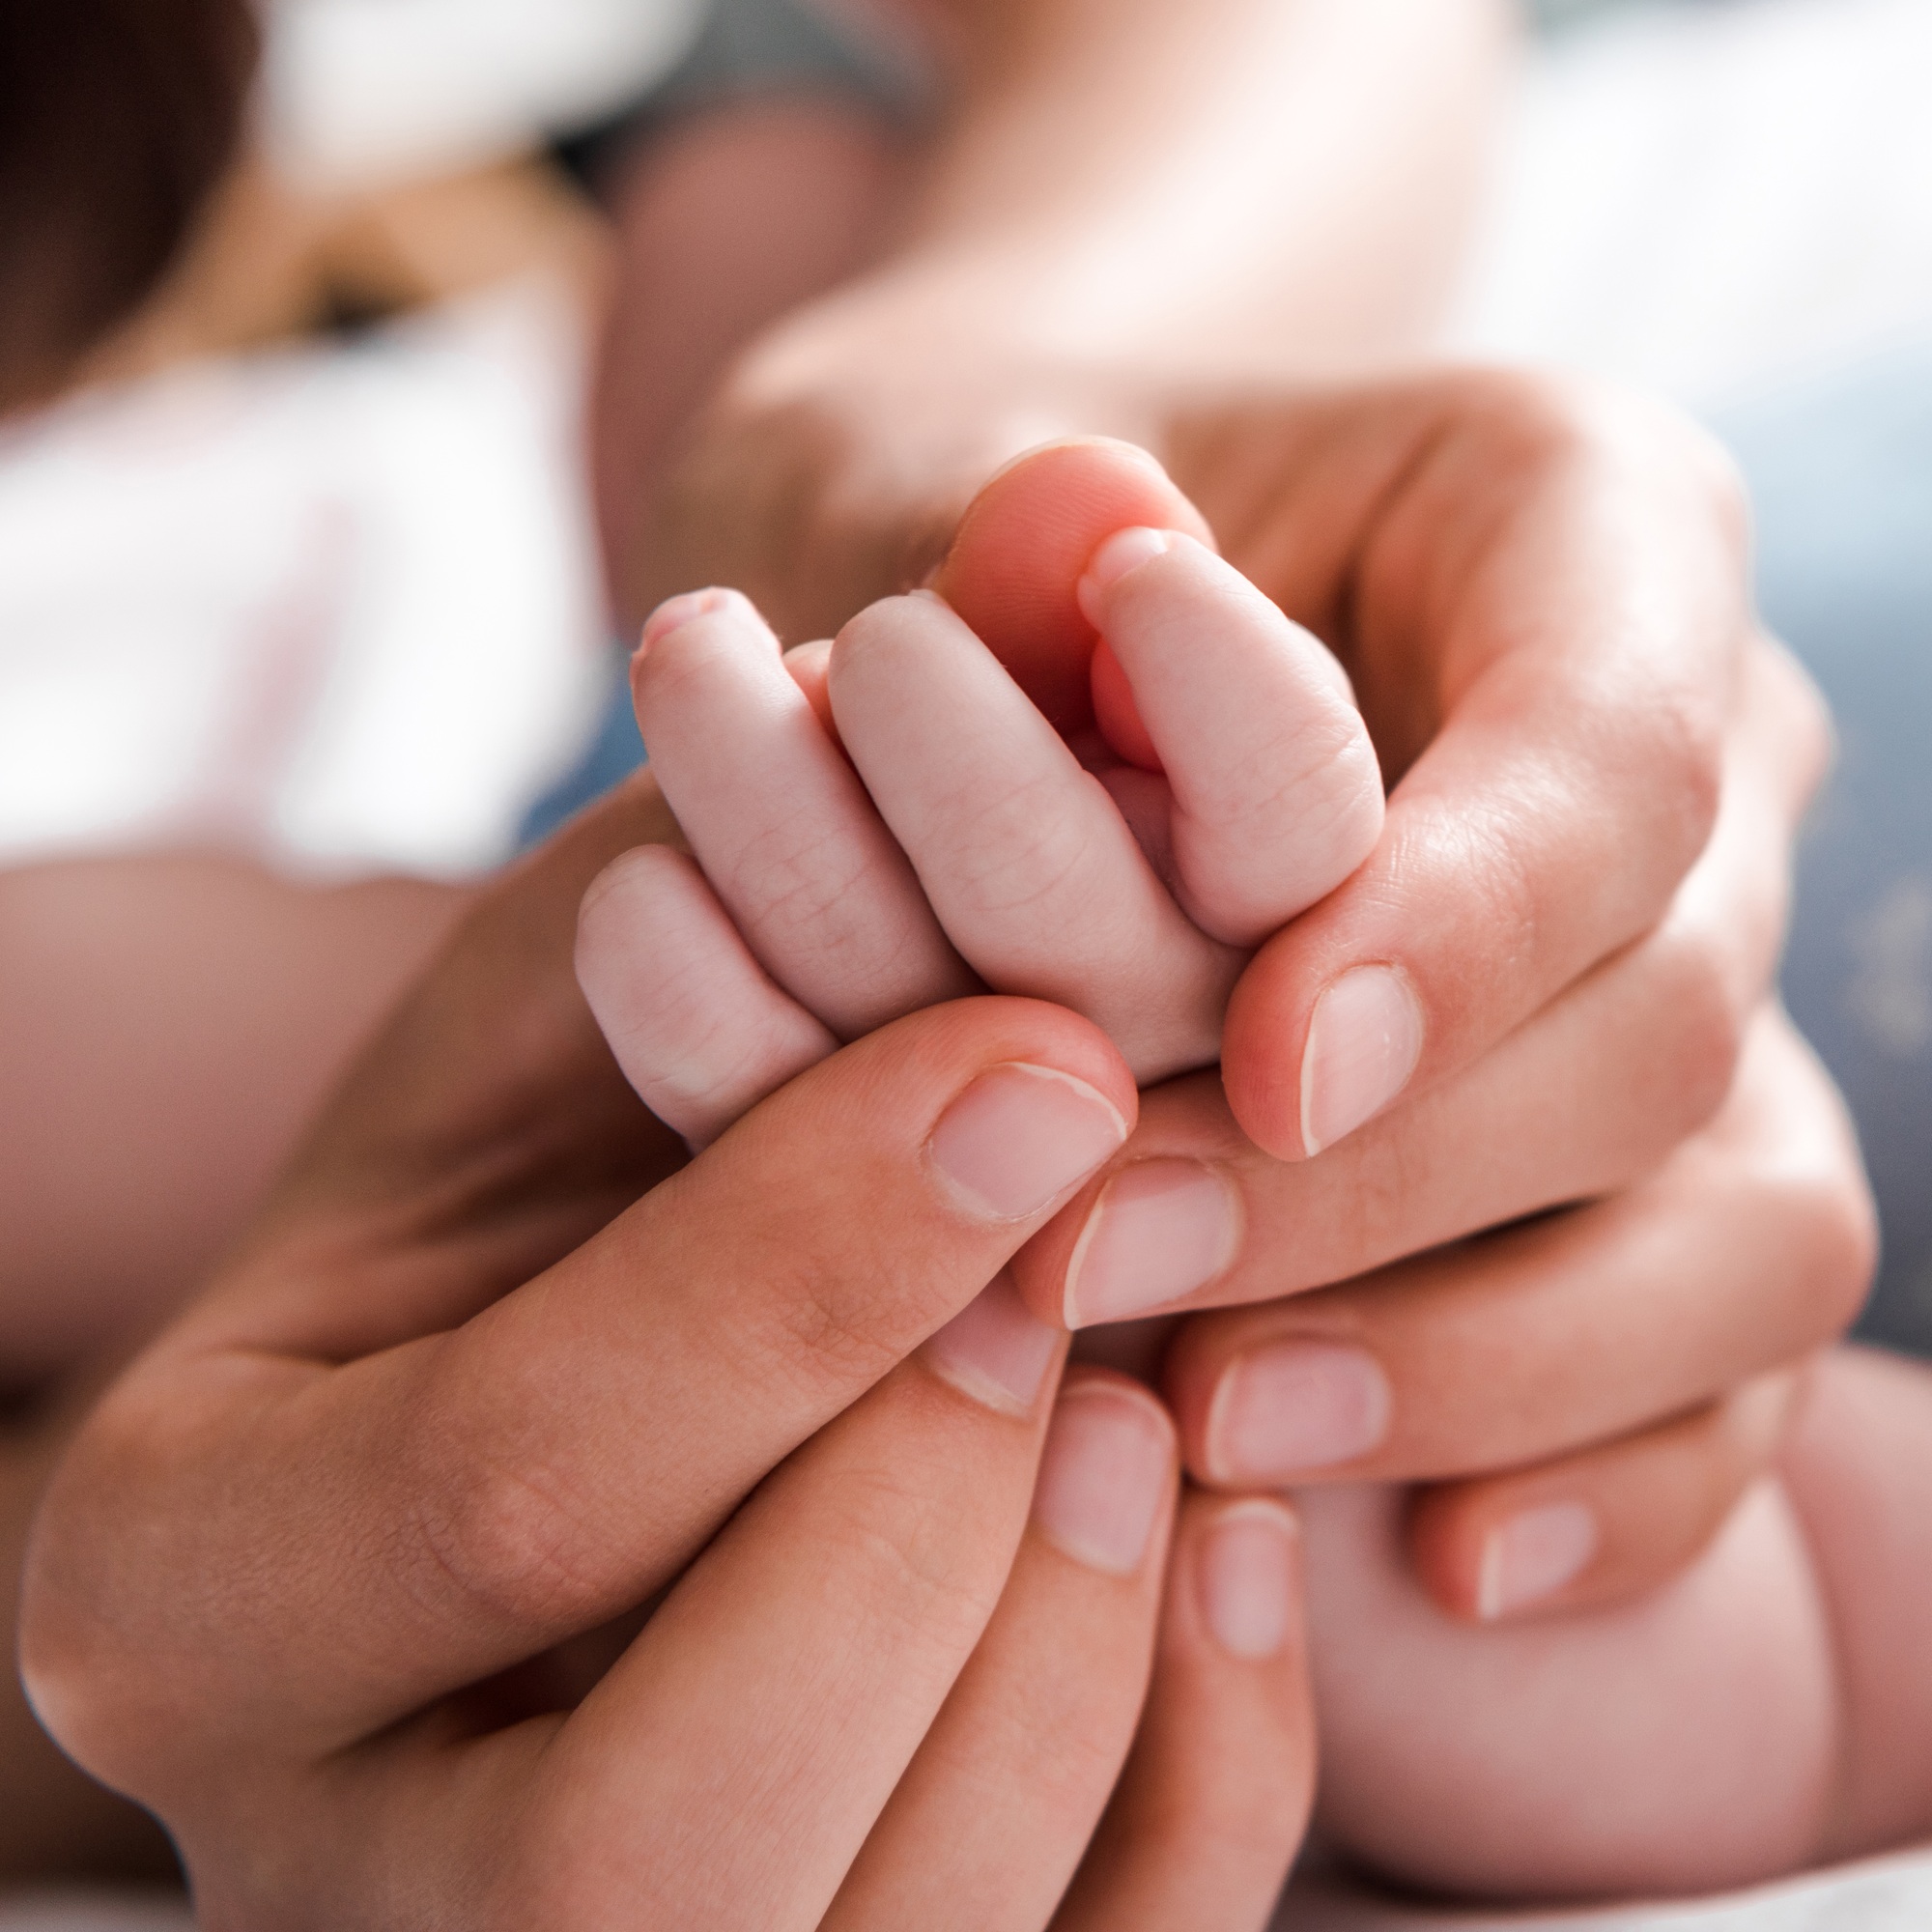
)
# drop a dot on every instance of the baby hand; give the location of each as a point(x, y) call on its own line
point(1117, 847)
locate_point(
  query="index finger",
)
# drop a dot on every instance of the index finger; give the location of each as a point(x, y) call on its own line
point(1538, 592)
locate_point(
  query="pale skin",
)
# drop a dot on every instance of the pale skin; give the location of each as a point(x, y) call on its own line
point(713, 416)
point(1743, 1720)
point(401, 1447)
point(744, 1391)
point(861, 459)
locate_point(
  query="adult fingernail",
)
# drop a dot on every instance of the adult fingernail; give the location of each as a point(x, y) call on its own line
point(1020, 1136)
point(676, 612)
point(1294, 1407)
point(1160, 1229)
point(1364, 1039)
point(1245, 1572)
point(1532, 1557)
point(1104, 1476)
point(994, 1350)
point(1122, 551)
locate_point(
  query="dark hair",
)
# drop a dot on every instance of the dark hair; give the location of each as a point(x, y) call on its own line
point(117, 117)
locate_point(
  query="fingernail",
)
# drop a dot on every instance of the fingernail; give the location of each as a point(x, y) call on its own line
point(1532, 1557)
point(1245, 1573)
point(1160, 1229)
point(994, 1350)
point(1020, 1136)
point(1122, 551)
point(1294, 1407)
point(1363, 1042)
point(676, 612)
point(1104, 1477)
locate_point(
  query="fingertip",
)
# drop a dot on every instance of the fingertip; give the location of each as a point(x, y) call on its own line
point(675, 612)
point(1026, 539)
point(1246, 1560)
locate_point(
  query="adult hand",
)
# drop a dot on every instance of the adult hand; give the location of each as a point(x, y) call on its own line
point(1549, 986)
point(1539, 595)
point(348, 1577)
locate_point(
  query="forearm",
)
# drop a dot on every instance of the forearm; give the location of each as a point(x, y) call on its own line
point(1236, 181)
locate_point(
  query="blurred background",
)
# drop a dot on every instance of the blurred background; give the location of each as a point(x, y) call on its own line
point(300, 578)
point(304, 626)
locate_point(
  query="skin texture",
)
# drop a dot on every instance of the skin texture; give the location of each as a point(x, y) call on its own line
point(703, 1022)
point(437, 1382)
point(170, 1023)
point(1110, 195)
point(728, 223)
point(1457, 1759)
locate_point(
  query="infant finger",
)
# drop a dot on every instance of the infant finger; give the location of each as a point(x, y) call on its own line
point(1603, 1526)
point(784, 830)
point(995, 1813)
point(697, 1024)
point(1212, 1804)
point(1026, 860)
point(1276, 793)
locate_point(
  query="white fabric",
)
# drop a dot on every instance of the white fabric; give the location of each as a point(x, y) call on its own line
point(356, 90)
point(337, 608)
point(1891, 1894)
point(1708, 199)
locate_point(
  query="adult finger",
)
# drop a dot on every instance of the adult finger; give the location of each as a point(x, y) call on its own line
point(1543, 594)
point(783, 829)
point(535, 1471)
point(1603, 1525)
point(1195, 1214)
point(888, 1537)
point(1747, 1250)
point(1212, 1804)
point(725, 1765)
point(993, 1814)
point(1023, 855)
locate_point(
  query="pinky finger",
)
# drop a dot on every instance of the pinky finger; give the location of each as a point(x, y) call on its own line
point(1213, 1803)
point(699, 1027)
point(1605, 1524)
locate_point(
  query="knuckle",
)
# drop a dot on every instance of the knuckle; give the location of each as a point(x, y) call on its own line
point(896, 1536)
point(1704, 1025)
point(833, 1333)
point(507, 1542)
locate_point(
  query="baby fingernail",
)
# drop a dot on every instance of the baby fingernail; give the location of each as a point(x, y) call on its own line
point(1363, 1042)
point(994, 1350)
point(1533, 1555)
point(1160, 1229)
point(1103, 1476)
point(1292, 1406)
point(676, 612)
point(1245, 1572)
point(1020, 1136)
point(1122, 551)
